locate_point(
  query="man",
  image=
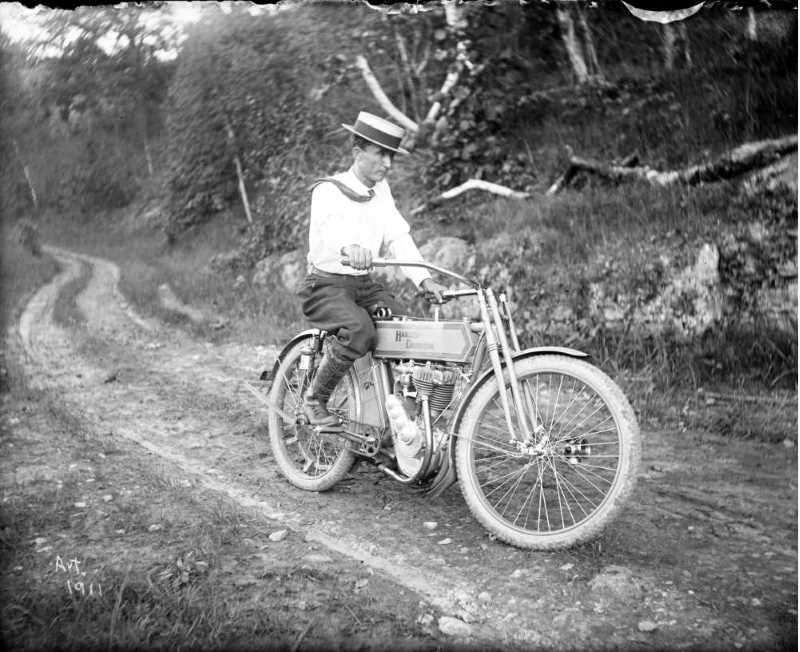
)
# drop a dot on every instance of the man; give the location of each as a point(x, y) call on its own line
point(353, 215)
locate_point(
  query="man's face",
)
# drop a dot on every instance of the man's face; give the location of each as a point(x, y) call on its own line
point(372, 163)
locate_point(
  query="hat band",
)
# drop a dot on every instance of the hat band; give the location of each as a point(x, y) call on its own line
point(376, 135)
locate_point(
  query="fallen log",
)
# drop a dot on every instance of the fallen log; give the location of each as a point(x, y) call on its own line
point(735, 162)
point(473, 184)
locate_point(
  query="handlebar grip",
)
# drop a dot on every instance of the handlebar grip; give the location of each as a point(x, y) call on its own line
point(345, 262)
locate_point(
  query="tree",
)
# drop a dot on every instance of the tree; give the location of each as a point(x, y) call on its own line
point(108, 56)
point(580, 48)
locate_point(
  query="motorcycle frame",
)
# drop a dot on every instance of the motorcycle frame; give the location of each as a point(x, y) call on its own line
point(497, 339)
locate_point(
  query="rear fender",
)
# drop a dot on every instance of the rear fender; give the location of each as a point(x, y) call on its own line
point(269, 374)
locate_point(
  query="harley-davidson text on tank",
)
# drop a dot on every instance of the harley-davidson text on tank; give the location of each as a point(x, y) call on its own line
point(450, 341)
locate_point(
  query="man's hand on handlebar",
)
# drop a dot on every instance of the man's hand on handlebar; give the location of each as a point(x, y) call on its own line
point(357, 257)
point(433, 290)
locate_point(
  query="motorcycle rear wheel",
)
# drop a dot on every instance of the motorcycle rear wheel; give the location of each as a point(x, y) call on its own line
point(306, 458)
point(574, 485)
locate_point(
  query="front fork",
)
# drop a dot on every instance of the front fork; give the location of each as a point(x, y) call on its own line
point(532, 433)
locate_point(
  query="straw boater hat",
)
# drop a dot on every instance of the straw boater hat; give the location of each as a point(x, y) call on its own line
point(379, 131)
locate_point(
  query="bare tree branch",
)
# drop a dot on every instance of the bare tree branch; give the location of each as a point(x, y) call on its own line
point(473, 184)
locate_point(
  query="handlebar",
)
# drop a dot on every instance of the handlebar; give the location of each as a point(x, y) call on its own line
point(390, 262)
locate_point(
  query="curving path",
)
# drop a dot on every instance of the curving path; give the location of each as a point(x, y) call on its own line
point(702, 511)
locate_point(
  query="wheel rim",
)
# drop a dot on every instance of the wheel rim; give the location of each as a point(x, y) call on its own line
point(556, 486)
point(311, 453)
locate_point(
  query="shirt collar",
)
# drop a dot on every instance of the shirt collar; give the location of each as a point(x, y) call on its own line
point(355, 184)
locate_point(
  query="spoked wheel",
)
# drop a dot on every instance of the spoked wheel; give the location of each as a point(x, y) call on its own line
point(569, 480)
point(308, 459)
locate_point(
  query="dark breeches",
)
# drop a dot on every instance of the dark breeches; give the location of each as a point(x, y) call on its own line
point(341, 305)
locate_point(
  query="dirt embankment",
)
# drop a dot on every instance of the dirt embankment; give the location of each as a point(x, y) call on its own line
point(704, 556)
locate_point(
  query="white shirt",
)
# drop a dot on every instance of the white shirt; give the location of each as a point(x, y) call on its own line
point(337, 221)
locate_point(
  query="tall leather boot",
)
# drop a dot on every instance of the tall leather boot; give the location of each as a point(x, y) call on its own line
point(331, 370)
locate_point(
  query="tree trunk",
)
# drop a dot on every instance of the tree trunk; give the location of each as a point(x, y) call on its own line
point(592, 61)
point(683, 32)
point(572, 45)
point(27, 174)
point(675, 41)
point(239, 174)
point(668, 41)
point(377, 92)
point(752, 26)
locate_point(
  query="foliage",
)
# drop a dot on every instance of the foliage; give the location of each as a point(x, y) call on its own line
point(253, 87)
point(512, 123)
point(86, 111)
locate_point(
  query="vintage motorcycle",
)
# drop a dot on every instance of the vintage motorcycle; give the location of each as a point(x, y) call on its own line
point(544, 445)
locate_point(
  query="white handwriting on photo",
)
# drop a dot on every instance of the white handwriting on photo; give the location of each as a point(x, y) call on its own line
point(76, 582)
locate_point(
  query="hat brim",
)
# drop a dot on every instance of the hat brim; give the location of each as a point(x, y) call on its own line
point(398, 150)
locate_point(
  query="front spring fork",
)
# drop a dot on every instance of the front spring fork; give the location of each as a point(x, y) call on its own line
point(515, 391)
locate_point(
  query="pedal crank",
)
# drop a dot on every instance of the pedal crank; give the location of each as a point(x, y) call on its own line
point(361, 438)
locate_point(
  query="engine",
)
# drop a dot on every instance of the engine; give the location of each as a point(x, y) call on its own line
point(414, 384)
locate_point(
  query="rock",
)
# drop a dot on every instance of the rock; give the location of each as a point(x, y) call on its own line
point(788, 443)
point(286, 271)
point(155, 527)
point(647, 626)
point(454, 627)
point(278, 535)
point(430, 525)
point(451, 253)
point(616, 580)
point(445, 542)
point(484, 596)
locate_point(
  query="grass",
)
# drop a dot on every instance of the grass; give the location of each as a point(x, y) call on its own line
point(108, 550)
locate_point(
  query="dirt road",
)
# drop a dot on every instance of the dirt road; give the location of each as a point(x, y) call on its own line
point(705, 556)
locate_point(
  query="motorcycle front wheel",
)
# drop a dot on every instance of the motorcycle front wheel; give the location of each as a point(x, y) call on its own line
point(309, 460)
point(569, 480)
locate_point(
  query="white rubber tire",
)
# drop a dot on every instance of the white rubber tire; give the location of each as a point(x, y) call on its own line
point(621, 482)
point(340, 460)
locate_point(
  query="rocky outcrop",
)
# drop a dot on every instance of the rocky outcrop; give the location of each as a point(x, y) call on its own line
point(282, 270)
point(689, 304)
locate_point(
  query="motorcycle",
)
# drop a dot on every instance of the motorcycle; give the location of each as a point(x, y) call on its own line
point(544, 446)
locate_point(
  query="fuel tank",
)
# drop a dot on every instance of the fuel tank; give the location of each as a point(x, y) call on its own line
point(421, 339)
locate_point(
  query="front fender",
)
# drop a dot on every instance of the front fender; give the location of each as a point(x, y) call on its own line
point(269, 374)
